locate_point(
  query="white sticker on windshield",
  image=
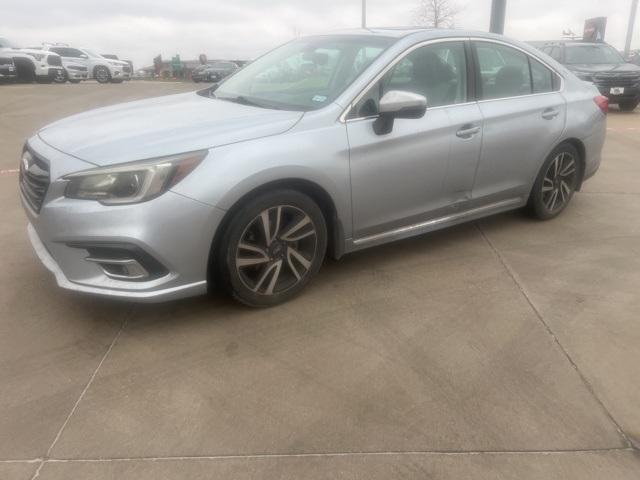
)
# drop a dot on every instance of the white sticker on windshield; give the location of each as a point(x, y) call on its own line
point(319, 98)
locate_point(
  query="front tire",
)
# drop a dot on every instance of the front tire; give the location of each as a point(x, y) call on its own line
point(629, 106)
point(60, 77)
point(102, 74)
point(556, 183)
point(271, 249)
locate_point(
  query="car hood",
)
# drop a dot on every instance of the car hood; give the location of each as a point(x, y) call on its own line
point(162, 126)
point(24, 52)
point(40, 52)
point(605, 67)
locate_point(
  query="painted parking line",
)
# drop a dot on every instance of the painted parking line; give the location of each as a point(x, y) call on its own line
point(7, 172)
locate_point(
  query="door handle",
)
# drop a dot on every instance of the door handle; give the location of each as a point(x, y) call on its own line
point(550, 113)
point(468, 131)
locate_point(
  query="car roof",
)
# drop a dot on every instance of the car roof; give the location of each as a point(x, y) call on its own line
point(401, 32)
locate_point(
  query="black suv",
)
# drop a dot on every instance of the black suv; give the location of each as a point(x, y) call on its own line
point(602, 65)
point(214, 72)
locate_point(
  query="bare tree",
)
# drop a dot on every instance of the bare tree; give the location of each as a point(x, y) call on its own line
point(436, 13)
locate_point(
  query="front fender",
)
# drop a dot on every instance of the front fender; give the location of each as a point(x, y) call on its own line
point(319, 156)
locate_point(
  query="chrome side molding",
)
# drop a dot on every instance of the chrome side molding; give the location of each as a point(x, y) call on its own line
point(430, 224)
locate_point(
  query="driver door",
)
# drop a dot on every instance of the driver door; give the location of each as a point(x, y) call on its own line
point(424, 168)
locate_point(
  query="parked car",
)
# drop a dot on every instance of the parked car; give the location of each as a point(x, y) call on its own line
point(126, 66)
point(99, 68)
point(246, 185)
point(214, 72)
point(602, 65)
point(197, 74)
point(74, 72)
point(33, 64)
point(8, 71)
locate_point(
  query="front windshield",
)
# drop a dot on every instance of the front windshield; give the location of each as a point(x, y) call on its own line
point(592, 54)
point(305, 74)
point(92, 54)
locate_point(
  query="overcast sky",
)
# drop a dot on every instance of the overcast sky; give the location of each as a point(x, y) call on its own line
point(140, 29)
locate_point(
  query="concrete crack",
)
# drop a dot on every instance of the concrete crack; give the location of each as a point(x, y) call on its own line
point(524, 293)
point(83, 393)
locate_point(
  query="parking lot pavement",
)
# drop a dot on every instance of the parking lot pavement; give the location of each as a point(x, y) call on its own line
point(502, 349)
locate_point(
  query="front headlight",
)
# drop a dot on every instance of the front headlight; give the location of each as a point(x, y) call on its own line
point(586, 77)
point(132, 182)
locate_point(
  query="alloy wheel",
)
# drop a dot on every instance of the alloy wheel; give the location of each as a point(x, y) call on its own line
point(276, 250)
point(60, 76)
point(102, 75)
point(559, 182)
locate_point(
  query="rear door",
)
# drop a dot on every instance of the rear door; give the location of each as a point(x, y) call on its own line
point(523, 115)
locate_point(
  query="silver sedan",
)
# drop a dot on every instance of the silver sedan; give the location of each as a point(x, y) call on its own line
point(323, 146)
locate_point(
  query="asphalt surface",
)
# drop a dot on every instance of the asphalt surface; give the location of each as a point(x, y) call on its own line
point(506, 348)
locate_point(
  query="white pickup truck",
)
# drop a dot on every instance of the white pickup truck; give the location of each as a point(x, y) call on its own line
point(34, 64)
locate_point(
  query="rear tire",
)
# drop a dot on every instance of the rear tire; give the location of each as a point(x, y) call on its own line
point(629, 106)
point(272, 248)
point(556, 183)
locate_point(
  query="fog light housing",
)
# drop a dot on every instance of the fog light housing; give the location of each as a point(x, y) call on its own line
point(123, 261)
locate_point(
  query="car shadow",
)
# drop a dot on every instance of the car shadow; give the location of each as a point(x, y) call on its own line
point(460, 240)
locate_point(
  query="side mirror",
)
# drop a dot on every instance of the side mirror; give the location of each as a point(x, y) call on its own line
point(84, 55)
point(398, 104)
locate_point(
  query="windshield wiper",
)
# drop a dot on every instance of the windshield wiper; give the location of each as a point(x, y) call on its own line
point(242, 100)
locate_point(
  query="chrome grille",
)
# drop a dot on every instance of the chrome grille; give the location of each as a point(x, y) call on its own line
point(78, 68)
point(617, 79)
point(54, 60)
point(34, 180)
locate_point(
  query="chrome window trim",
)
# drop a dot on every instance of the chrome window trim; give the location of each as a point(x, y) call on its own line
point(345, 112)
point(506, 44)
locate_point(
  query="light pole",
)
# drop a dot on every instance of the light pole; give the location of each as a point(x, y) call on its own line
point(364, 13)
point(498, 13)
point(632, 21)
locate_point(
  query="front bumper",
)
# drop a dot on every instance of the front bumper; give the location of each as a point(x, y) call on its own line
point(630, 94)
point(162, 294)
point(120, 74)
point(47, 71)
point(174, 230)
point(77, 74)
point(8, 72)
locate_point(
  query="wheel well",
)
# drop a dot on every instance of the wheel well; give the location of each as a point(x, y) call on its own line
point(579, 146)
point(335, 237)
point(24, 67)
